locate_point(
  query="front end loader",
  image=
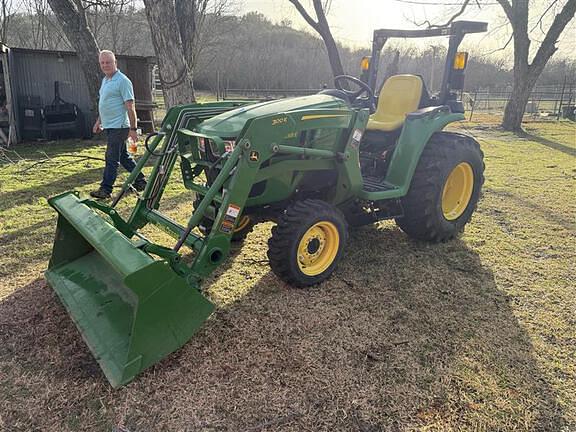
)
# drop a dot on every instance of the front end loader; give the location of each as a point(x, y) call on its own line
point(316, 166)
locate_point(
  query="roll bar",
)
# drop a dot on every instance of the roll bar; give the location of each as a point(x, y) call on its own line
point(455, 31)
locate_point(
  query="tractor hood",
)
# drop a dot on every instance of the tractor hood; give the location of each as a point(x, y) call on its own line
point(230, 123)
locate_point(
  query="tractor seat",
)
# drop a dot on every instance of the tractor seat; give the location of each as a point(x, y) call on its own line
point(400, 95)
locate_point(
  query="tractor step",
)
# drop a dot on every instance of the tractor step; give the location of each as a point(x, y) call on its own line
point(375, 184)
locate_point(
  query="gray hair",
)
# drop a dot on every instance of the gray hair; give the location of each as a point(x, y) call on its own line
point(107, 53)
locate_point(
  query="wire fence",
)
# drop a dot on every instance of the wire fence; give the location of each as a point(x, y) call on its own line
point(546, 101)
point(552, 101)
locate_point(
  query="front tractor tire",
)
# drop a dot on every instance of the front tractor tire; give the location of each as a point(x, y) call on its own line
point(445, 188)
point(307, 242)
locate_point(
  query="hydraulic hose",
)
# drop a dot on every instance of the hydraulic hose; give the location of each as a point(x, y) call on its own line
point(152, 135)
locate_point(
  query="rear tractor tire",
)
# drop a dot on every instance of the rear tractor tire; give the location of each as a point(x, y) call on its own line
point(445, 188)
point(307, 242)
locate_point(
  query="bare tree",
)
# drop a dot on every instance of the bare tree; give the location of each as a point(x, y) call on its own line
point(525, 73)
point(176, 28)
point(175, 73)
point(36, 26)
point(392, 68)
point(117, 26)
point(6, 14)
point(108, 18)
point(190, 16)
point(208, 15)
point(71, 15)
point(323, 29)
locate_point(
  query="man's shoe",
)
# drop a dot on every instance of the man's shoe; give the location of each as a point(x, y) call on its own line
point(140, 186)
point(100, 194)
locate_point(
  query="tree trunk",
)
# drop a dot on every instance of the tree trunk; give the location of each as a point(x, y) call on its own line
point(516, 105)
point(175, 74)
point(331, 47)
point(186, 16)
point(73, 22)
point(333, 55)
point(323, 29)
point(190, 15)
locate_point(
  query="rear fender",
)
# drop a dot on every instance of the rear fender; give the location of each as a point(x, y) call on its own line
point(418, 128)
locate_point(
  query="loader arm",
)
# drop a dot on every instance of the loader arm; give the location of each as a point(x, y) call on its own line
point(240, 169)
point(134, 301)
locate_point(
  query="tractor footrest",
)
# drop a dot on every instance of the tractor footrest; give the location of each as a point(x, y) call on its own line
point(375, 184)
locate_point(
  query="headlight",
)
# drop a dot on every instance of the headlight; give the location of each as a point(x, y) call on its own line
point(228, 146)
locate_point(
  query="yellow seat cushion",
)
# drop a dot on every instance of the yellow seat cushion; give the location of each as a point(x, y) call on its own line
point(387, 123)
point(399, 96)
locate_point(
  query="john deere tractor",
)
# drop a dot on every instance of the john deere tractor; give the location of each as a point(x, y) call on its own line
point(315, 166)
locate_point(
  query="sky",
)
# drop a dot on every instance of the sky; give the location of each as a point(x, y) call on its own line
point(353, 21)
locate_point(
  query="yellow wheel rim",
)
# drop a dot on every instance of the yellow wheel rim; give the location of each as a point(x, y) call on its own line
point(318, 248)
point(243, 223)
point(457, 191)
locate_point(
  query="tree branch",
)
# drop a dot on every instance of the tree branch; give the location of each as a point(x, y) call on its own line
point(78, 4)
point(305, 15)
point(507, 9)
point(548, 46)
point(503, 47)
point(323, 30)
point(319, 9)
point(539, 22)
point(456, 15)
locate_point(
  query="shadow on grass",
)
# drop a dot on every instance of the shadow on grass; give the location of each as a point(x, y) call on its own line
point(35, 150)
point(542, 212)
point(38, 236)
point(403, 335)
point(25, 232)
point(570, 151)
point(59, 185)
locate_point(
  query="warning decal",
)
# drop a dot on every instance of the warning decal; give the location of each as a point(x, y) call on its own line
point(356, 138)
point(233, 210)
point(227, 225)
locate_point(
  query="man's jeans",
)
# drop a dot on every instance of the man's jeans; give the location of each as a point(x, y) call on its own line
point(116, 153)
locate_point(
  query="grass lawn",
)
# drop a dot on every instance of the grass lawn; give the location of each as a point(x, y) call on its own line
point(475, 334)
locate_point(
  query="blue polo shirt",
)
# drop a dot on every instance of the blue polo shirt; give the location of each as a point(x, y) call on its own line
point(114, 92)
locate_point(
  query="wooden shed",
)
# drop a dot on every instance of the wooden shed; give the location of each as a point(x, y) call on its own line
point(27, 86)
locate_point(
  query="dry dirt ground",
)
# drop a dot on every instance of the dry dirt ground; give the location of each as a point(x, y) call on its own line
point(474, 334)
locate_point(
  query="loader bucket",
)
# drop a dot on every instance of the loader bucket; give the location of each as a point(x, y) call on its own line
point(130, 309)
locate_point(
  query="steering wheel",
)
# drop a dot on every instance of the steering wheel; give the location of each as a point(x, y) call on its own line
point(354, 96)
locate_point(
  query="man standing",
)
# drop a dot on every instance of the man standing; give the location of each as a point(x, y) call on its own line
point(117, 116)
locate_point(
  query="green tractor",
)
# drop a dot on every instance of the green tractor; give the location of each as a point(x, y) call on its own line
point(313, 165)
